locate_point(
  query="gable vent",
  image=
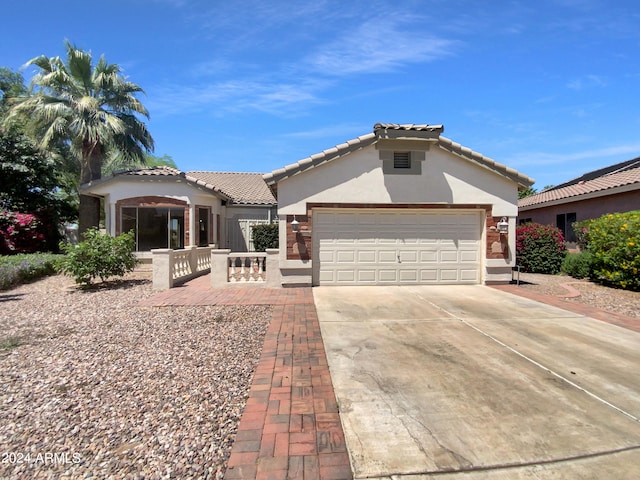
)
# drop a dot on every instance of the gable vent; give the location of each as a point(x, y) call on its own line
point(401, 159)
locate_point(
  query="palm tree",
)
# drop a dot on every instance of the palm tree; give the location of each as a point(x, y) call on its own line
point(93, 110)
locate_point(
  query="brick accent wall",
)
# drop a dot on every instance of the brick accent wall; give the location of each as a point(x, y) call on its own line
point(299, 244)
point(497, 244)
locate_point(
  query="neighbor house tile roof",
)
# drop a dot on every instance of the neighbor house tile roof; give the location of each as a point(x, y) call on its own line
point(239, 187)
point(625, 175)
point(243, 188)
point(393, 130)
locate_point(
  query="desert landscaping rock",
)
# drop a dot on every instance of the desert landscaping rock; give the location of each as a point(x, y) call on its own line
point(616, 300)
point(93, 386)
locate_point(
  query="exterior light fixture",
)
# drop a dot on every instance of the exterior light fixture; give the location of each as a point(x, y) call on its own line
point(503, 226)
point(294, 225)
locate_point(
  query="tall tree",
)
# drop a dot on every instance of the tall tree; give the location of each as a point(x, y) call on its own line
point(92, 109)
point(11, 86)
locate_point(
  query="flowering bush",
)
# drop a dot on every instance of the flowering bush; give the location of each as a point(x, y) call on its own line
point(613, 241)
point(540, 248)
point(20, 233)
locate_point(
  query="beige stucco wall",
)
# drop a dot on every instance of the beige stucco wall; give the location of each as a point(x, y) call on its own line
point(119, 189)
point(358, 177)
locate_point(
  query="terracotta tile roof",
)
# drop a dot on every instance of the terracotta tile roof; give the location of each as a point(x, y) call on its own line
point(243, 188)
point(393, 130)
point(240, 188)
point(625, 174)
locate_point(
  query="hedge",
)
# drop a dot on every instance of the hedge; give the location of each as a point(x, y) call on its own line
point(265, 236)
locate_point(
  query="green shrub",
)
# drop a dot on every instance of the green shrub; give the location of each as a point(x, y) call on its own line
point(99, 256)
point(22, 268)
point(540, 248)
point(577, 265)
point(265, 236)
point(614, 243)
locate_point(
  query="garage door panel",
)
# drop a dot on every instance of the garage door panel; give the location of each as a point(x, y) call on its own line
point(327, 256)
point(410, 256)
point(428, 256)
point(327, 276)
point(469, 275)
point(449, 256)
point(366, 256)
point(469, 256)
point(367, 276)
point(346, 256)
point(409, 276)
point(345, 219)
point(449, 275)
point(429, 275)
point(387, 256)
point(397, 247)
point(345, 276)
point(388, 275)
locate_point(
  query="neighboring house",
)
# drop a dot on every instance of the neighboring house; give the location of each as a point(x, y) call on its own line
point(401, 205)
point(613, 189)
point(167, 208)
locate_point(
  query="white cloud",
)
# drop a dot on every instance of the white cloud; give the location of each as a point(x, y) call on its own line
point(587, 81)
point(379, 45)
point(273, 97)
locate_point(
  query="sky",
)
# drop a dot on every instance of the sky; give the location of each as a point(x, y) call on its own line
point(550, 88)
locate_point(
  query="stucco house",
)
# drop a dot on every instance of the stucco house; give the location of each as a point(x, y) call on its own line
point(167, 208)
point(400, 205)
point(612, 189)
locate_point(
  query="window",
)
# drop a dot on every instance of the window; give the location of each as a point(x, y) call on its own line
point(565, 221)
point(159, 227)
point(401, 159)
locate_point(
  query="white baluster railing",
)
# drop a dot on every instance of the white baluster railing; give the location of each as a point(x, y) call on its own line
point(247, 267)
point(171, 267)
point(181, 265)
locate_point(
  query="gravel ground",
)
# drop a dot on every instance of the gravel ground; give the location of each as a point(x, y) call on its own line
point(93, 386)
point(615, 300)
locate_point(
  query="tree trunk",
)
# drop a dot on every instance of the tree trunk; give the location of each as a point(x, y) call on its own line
point(88, 214)
point(90, 169)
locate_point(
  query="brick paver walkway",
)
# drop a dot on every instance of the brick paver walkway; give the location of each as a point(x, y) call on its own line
point(290, 427)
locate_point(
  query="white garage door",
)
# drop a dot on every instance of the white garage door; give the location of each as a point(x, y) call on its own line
point(395, 247)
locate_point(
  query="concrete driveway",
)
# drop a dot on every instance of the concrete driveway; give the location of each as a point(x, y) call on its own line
point(434, 380)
